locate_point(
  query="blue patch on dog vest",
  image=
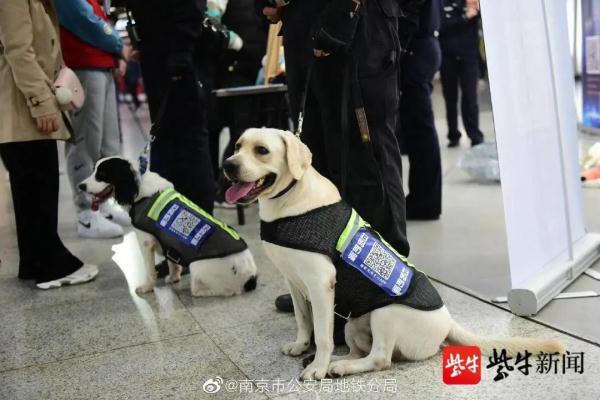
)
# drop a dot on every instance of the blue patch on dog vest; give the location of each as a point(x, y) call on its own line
point(184, 224)
point(375, 260)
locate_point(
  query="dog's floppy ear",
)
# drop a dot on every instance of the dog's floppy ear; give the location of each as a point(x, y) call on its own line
point(298, 155)
point(126, 187)
point(119, 173)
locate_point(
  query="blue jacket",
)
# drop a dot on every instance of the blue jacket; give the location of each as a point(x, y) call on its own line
point(78, 17)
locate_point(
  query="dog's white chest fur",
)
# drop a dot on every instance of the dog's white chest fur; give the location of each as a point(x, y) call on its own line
point(301, 268)
point(287, 265)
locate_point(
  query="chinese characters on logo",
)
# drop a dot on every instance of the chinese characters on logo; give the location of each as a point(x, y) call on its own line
point(545, 363)
point(461, 365)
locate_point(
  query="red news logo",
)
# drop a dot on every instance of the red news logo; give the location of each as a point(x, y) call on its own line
point(461, 365)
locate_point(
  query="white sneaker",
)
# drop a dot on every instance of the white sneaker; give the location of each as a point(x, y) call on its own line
point(224, 205)
point(84, 274)
point(92, 224)
point(115, 213)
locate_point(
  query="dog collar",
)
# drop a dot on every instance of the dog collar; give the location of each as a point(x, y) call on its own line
point(284, 191)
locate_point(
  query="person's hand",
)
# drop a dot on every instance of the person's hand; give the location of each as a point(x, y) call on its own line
point(235, 41)
point(48, 123)
point(472, 3)
point(472, 8)
point(126, 52)
point(273, 14)
point(471, 13)
point(134, 55)
point(121, 69)
point(320, 53)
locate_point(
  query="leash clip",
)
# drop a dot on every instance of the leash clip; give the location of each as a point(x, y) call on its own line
point(357, 5)
point(300, 122)
point(340, 315)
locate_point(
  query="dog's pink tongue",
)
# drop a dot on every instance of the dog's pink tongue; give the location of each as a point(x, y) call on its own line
point(237, 191)
point(95, 204)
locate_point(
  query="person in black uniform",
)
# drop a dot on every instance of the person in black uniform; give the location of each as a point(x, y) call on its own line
point(459, 38)
point(351, 72)
point(169, 31)
point(416, 130)
point(371, 178)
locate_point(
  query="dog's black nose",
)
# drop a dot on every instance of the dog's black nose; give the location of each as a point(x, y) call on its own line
point(82, 187)
point(231, 168)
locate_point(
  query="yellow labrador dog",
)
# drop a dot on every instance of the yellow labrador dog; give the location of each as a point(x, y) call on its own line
point(274, 167)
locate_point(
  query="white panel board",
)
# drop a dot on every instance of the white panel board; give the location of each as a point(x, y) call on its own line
point(535, 128)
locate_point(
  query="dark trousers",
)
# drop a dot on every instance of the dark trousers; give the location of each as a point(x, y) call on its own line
point(132, 81)
point(180, 152)
point(417, 129)
point(373, 173)
point(234, 113)
point(297, 59)
point(463, 72)
point(33, 170)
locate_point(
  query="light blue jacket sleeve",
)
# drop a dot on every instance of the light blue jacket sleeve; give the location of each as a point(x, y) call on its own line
point(78, 17)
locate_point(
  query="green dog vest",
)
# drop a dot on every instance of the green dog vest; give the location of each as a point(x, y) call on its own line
point(186, 232)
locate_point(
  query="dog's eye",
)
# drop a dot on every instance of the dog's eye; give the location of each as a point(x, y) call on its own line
point(261, 150)
point(237, 147)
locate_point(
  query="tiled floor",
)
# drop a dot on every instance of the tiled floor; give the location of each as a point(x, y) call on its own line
point(102, 341)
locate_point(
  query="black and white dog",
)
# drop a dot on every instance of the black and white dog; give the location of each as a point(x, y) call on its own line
point(227, 275)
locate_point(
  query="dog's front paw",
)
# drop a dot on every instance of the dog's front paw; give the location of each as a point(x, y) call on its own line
point(295, 348)
point(337, 369)
point(314, 372)
point(174, 278)
point(145, 288)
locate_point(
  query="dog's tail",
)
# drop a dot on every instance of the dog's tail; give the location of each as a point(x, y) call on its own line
point(460, 336)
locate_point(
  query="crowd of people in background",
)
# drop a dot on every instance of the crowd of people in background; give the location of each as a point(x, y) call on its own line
point(382, 73)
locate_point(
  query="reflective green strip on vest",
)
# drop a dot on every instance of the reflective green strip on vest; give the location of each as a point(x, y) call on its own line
point(170, 194)
point(355, 222)
point(159, 204)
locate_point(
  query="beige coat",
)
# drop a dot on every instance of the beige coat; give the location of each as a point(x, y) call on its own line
point(29, 62)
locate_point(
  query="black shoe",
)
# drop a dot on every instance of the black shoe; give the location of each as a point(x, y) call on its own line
point(284, 303)
point(453, 143)
point(415, 216)
point(25, 272)
point(162, 269)
point(307, 360)
point(339, 335)
point(476, 142)
point(26, 276)
point(422, 217)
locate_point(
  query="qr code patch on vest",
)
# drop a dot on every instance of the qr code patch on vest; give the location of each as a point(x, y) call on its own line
point(380, 261)
point(185, 223)
point(376, 261)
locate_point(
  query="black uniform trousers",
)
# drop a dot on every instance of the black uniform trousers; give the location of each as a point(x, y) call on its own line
point(461, 71)
point(180, 152)
point(373, 172)
point(33, 170)
point(417, 129)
